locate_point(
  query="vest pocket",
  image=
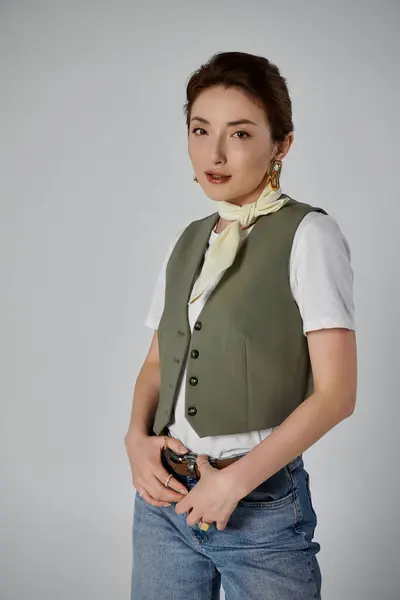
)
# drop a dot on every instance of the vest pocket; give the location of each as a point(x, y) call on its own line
point(273, 493)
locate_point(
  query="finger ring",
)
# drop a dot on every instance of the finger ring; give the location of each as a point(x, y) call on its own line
point(165, 441)
point(141, 493)
point(204, 526)
point(202, 463)
point(166, 482)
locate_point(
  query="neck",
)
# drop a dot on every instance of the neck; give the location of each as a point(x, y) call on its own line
point(222, 223)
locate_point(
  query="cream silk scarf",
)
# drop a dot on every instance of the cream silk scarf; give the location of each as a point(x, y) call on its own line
point(221, 254)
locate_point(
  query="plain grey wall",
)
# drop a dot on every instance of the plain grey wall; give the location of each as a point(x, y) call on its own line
point(95, 178)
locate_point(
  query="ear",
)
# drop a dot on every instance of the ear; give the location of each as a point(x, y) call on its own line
point(284, 147)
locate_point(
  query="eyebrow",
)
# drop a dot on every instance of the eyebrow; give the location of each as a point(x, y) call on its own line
point(229, 123)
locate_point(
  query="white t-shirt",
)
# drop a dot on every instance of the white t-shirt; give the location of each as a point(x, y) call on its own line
point(321, 280)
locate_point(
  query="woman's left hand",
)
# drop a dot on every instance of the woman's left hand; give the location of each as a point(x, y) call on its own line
point(212, 499)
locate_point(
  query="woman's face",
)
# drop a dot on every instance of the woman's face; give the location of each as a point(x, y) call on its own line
point(242, 150)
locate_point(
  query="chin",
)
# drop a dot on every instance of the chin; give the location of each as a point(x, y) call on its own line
point(220, 198)
point(219, 195)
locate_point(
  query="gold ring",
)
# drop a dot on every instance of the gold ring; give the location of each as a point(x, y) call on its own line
point(202, 463)
point(166, 482)
point(204, 526)
point(165, 441)
point(141, 493)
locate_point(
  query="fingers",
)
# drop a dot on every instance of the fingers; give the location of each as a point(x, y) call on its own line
point(221, 525)
point(147, 497)
point(157, 494)
point(175, 445)
point(174, 484)
point(193, 518)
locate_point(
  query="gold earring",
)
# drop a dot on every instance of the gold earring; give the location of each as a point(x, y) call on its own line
point(195, 179)
point(274, 174)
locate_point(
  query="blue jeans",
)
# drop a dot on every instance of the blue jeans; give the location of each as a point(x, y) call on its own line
point(266, 551)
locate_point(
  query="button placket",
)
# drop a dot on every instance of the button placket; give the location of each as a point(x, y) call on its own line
point(193, 380)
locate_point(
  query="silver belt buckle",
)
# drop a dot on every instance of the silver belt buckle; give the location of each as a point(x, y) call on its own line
point(190, 459)
point(191, 463)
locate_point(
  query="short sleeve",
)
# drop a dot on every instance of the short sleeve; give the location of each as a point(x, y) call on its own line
point(157, 301)
point(321, 274)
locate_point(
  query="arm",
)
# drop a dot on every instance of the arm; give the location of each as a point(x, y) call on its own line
point(146, 393)
point(147, 387)
point(143, 449)
point(334, 364)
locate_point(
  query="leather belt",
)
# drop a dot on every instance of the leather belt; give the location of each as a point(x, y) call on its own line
point(185, 464)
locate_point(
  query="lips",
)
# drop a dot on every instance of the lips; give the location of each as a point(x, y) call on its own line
point(218, 179)
point(216, 174)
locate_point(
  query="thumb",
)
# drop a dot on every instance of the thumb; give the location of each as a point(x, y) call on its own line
point(203, 463)
point(176, 445)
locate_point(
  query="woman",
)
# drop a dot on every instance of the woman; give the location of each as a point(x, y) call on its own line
point(253, 360)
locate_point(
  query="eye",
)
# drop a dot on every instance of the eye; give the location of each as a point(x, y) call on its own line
point(245, 135)
point(197, 128)
point(242, 137)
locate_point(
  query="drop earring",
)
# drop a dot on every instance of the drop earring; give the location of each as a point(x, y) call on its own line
point(274, 174)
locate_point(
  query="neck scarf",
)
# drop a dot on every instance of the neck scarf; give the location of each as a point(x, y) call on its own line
point(222, 252)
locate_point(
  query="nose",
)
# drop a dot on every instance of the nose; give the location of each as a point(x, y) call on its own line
point(218, 154)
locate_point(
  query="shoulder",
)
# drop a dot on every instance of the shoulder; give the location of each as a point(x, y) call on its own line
point(318, 229)
point(321, 274)
point(174, 237)
point(187, 231)
point(186, 234)
point(199, 223)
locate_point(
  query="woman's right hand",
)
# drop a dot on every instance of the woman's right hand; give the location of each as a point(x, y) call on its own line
point(148, 472)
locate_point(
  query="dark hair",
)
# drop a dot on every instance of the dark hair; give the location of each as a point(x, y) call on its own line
point(254, 75)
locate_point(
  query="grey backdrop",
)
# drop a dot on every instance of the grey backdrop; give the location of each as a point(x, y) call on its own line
point(95, 178)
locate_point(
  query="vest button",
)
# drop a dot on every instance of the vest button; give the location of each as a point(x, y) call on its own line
point(177, 360)
point(193, 381)
point(192, 411)
point(194, 353)
point(198, 325)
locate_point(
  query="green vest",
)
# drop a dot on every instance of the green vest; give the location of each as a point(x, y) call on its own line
point(248, 364)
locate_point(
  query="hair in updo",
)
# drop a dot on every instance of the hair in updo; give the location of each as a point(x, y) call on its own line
point(255, 76)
